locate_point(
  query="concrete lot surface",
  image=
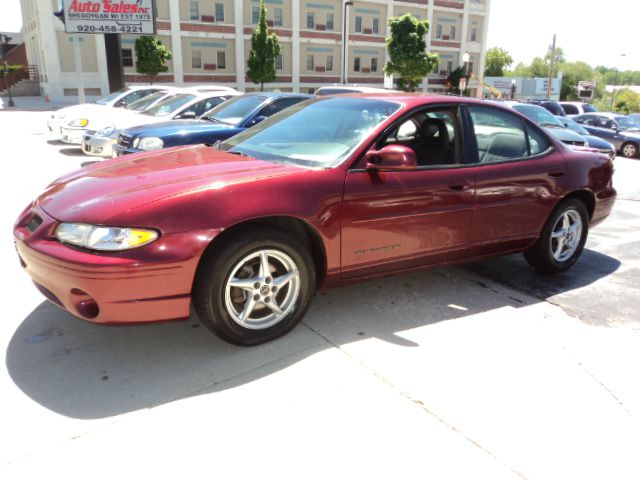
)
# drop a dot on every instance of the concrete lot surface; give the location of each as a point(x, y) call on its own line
point(483, 371)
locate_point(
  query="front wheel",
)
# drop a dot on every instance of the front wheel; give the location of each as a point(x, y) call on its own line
point(562, 239)
point(255, 288)
point(630, 150)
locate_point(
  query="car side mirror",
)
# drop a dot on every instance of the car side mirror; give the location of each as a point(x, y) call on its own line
point(256, 120)
point(188, 115)
point(391, 158)
point(121, 103)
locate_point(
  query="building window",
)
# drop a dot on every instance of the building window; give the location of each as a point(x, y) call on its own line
point(470, 67)
point(374, 64)
point(196, 59)
point(277, 17)
point(279, 62)
point(255, 14)
point(376, 25)
point(311, 21)
point(127, 57)
point(221, 60)
point(310, 62)
point(453, 32)
point(328, 63)
point(219, 12)
point(449, 67)
point(474, 34)
point(358, 24)
point(329, 21)
point(356, 64)
point(438, 31)
point(194, 14)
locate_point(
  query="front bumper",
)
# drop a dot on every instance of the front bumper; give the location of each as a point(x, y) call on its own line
point(98, 146)
point(72, 135)
point(605, 200)
point(148, 284)
point(119, 150)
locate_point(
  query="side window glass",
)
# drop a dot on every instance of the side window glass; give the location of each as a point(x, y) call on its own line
point(432, 135)
point(499, 135)
point(537, 142)
point(277, 106)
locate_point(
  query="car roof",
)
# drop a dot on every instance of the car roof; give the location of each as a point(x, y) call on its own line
point(277, 94)
point(209, 88)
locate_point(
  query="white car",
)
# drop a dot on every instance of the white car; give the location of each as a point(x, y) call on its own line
point(121, 98)
point(577, 108)
point(180, 105)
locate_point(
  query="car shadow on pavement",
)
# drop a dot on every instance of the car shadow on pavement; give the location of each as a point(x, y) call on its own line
point(88, 371)
point(72, 152)
point(56, 143)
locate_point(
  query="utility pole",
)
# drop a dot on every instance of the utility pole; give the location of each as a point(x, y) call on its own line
point(345, 40)
point(551, 65)
point(77, 50)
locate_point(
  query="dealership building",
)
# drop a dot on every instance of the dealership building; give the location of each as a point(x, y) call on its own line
point(210, 42)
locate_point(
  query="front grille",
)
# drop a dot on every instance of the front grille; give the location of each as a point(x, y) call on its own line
point(34, 223)
point(86, 147)
point(124, 140)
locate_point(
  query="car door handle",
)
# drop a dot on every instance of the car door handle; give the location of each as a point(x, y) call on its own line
point(556, 174)
point(458, 187)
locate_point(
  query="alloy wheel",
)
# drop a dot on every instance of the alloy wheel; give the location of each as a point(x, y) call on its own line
point(566, 235)
point(262, 289)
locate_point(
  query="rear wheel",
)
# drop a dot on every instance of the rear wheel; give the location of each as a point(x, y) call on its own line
point(562, 239)
point(630, 150)
point(255, 287)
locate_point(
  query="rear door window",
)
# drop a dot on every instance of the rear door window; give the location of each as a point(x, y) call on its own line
point(501, 136)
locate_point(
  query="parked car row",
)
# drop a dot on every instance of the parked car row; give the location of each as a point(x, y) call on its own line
point(621, 131)
point(329, 190)
point(558, 126)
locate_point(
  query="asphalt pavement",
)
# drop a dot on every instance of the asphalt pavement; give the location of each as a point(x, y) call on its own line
point(481, 371)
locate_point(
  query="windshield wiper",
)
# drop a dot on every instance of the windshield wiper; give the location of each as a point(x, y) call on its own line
point(242, 154)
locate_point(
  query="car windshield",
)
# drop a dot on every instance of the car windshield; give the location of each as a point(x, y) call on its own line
point(233, 111)
point(539, 115)
point(170, 105)
point(575, 126)
point(588, 108)
point(145, 102)
point(626, 123)
point(111, 97)
point(315, 133)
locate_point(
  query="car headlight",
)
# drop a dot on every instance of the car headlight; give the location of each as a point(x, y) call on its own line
point(150, 143)
point(107, 131)
point(79, 122)
point(107, 239)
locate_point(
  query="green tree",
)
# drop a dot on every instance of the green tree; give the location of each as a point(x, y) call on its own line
point(408, 56)
point(572, 73)
point(560, 58)
point(497, 61)
point(151, 57)
point(454, 79)
point(265, 48)
point(626, 101)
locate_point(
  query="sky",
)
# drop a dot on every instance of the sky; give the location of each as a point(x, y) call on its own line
point(594, 31)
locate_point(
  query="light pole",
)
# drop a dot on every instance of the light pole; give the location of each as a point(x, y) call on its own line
point(615, 81)
point(5, 49)
point(344, 41)
point(465, 64)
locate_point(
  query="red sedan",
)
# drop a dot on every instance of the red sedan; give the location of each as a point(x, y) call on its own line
point(332, 190)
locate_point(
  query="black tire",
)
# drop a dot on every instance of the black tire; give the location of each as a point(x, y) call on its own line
point(540, 255)
point(629, 150)
point(209, 292)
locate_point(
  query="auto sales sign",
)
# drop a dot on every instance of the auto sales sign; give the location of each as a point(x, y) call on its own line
point(110, 16)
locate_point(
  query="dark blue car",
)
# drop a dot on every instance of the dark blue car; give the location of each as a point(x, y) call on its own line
point(224, 121)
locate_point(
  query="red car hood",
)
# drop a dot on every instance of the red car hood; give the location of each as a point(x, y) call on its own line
point(103, 190)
